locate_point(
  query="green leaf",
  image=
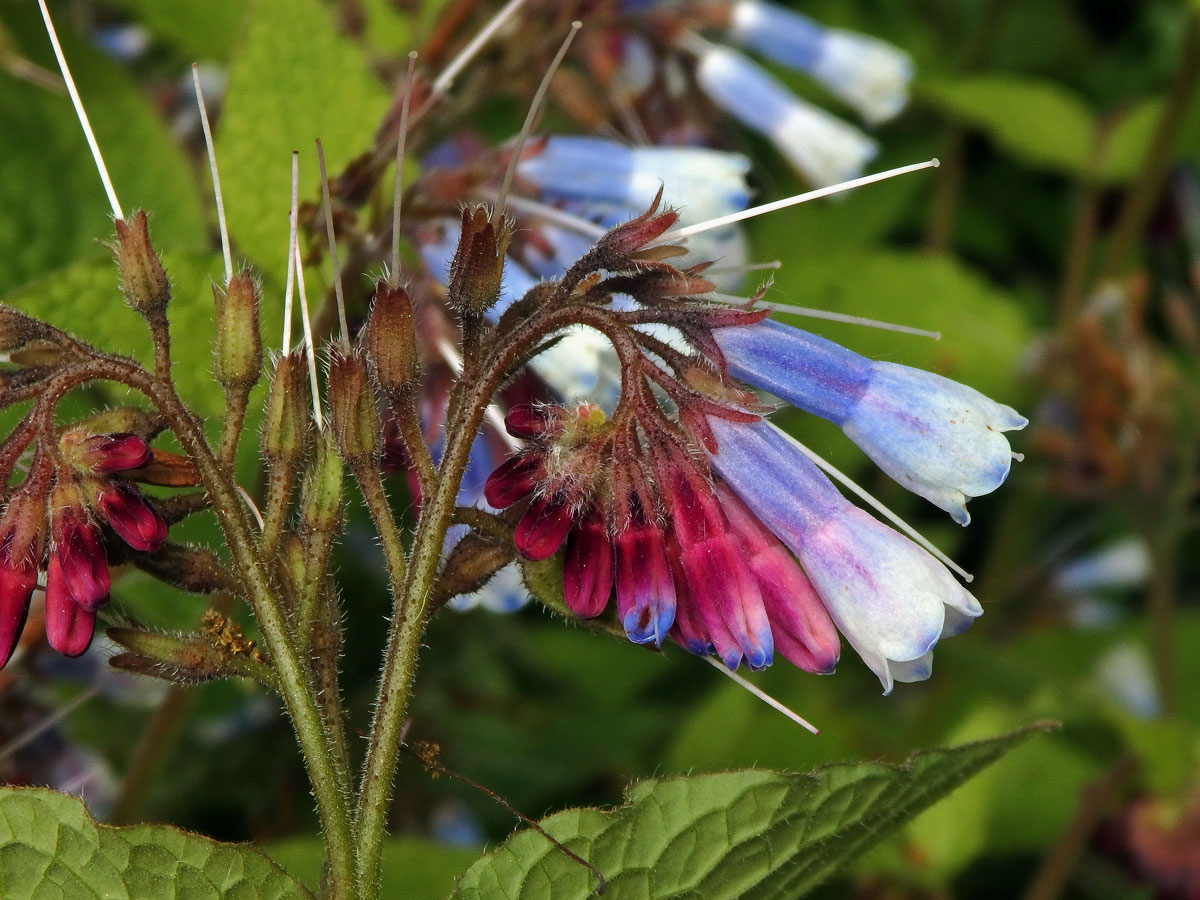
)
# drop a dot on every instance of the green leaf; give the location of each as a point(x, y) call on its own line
point(54, 206)
point(1040, 122)
point(293, 79)
point(200, 29)
point(413, 869)
point(751, 834)
point(50, 846)
point(84, 299)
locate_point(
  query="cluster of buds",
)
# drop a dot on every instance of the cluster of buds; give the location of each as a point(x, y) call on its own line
point(56, 521)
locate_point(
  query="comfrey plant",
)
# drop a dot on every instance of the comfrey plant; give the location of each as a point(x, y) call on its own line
point(666, 505)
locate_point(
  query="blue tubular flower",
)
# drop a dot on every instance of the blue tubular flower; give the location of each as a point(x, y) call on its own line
point(701, 183)
point(936, 437)
point(869, 74)
point(890, 598)
point(823, 148)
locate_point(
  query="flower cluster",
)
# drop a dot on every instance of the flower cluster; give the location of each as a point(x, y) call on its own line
point(88, 485)
point(647, 45)
point(708, 524)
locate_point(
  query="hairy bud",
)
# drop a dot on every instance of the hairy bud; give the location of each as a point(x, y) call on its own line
point(237, 362)
point(352, 411)
point(321, 498)
point(221, 652)
point(143, 278)
point(478, 264)
point(286, 419)
point(391, 343)
point(124, 420)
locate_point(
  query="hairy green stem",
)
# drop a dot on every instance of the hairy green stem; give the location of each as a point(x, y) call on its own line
point(295, 676)
point(411, 598)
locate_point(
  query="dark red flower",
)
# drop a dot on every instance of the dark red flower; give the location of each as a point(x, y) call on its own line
point(131, 516)
point(77, 553)
point(69, 625)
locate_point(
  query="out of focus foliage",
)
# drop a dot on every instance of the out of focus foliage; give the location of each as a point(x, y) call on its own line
point(1054, 120)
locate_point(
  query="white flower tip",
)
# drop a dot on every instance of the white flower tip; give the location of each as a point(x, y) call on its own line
point(1019, 457)
point(823, 148)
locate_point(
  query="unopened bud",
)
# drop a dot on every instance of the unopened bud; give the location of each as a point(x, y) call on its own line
point(68, 625)
point(130, 515)
point(103, 454)
point(630, 237)
point(188, 658)
point(143, 279)
point(321, 497)
point(286, 418)
point(238, 359)
point(78, 563)
point(391, 342)
point(196, 570)
point(478, 265)
point(352, 410)
point(124, 420)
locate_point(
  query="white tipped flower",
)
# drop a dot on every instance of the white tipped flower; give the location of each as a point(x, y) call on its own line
point(869, 74)
point(823, 148)
point(938, 438)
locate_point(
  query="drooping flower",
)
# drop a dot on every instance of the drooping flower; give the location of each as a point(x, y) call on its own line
point(936, 437)
point(869, 74)
point(889, 597)
point(680, 506)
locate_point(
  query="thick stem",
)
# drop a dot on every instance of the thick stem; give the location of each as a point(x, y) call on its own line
point(411, 599)
point(295, 676)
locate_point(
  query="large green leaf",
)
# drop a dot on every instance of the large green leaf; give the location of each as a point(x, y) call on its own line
point(1038, 121)
point(54, 206)
point(294, 79)
point(50, 847)
point(750, 834)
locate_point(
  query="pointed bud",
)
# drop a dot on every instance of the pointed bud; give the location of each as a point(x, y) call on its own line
point(103, 454)
point(124, 420)
point(182, 658)
point(530, 421)
point(588, 569)
point(286, 419)
point(321, 497)
point(632, 236)
point(478, 265)
point(68, 625)
point(22, 539)
point(131, 516)
point(196, 570)
point(352, 410)
point(391, 341)
point(514, 479)
point(237, 362)
point(166, 469)
point(77, 553)
point(544, 527)
point(143, 279)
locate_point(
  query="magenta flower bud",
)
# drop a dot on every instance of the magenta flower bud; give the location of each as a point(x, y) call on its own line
point(104, 454)
point(722, 586)
point(645, 588)
point(68, 625)
point(78, 552)
point(544, 527)
point(16, 587)
point(588, 571)
point(514, 480)
point(131, 516)
point(801, 628)
point(533, 420)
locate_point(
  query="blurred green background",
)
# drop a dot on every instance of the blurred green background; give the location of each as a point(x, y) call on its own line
point(1057, 249)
